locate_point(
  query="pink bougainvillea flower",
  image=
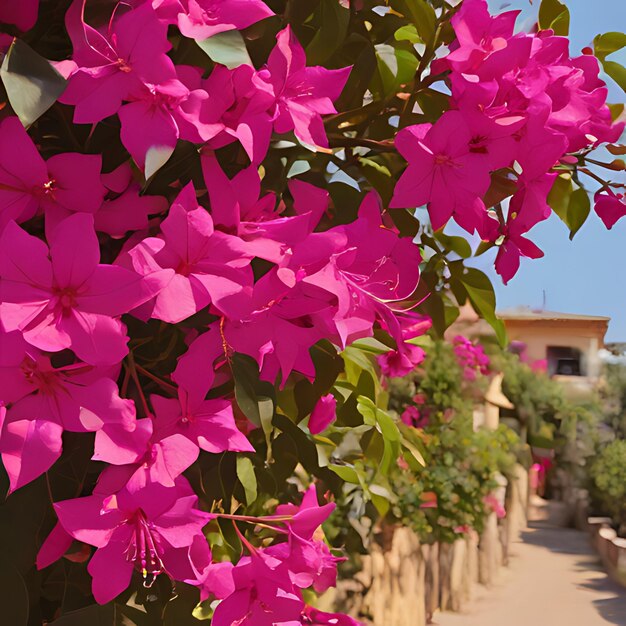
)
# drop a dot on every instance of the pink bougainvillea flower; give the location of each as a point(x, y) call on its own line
point(61, 297)
point(307, 517)
point(44, 401)
point(200, 19)
point(237, 208)
point(209, 266)
point(610, 206)
point(471, 357)
point(414, 416)
point(68, 182)
point(305, 554)
point(303, 94)
point(370, 268)
point(324, 414)
point(514, 246)
point(478, 35)
point(238, 107)
point(396, 363)
point(23, 13)
point(277, 324)
point(124, 209)
point(494, 505)
point(141, 458)
point(149, 127)
point(442, 173)
point(56, 544)
point(315, 617)
point(210, 424)
point(158, 531)
point(263, 595)
point(113, 65)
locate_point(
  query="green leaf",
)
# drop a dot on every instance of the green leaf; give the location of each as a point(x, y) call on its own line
point(607, 44)
point(247, 477)
point(346, 473)
point(555, 15)
point(203, 611)
point(250, 392)
point(616, 110)
point(578, 210)
point(571, 205)
point(388, 429)
point(483, 299)
point(459, 245)
point(559, 196)
point(31, 82)
point(330, 33)
point(396, 67)
point(407, 33)
point(227, 48)
point(421, 14)
point(13, 595)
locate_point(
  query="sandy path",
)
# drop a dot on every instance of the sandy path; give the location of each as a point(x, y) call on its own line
point(554, 579)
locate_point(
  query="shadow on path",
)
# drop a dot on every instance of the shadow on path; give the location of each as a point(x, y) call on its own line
point(573, 542)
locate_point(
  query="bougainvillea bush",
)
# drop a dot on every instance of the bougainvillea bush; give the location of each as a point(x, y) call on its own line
point(454, 493)
point(210, 250)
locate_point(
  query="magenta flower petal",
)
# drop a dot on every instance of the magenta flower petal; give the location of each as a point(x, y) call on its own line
point(54, 547)
point(111, 572)
point(74, 251)
point(29, 448)
point(323, 415)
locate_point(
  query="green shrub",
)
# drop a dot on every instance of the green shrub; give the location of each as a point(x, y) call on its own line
point(608, 473)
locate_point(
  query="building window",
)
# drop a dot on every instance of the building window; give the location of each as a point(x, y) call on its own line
point(564, 361)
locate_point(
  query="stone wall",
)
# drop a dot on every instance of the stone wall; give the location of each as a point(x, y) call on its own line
point(403, 582)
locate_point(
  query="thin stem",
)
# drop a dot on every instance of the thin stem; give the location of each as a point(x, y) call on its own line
point(589, 173)
point(133, 372)
point(165, 385)
point(244, 541)
point(339, 141)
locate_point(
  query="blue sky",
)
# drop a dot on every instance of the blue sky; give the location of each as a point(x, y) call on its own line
point(587, 275)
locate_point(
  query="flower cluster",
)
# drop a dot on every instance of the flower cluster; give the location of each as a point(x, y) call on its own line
point(471, 357)
point(520, 104)
point(86, 255)
point(265, 588)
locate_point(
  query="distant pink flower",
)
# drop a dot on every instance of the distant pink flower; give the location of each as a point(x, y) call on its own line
point(65, 184)
point(397, 363)
point(158, 531)
point(610, 207)
point(471, 357)
point(494, 505)
point(323, 415)
point(414, 416)
point(200, 19)
point(303, 94)
point(442, 173)
point(61, 297)
point(23, 13)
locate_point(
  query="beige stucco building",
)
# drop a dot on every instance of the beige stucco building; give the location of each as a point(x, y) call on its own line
point(567, 342)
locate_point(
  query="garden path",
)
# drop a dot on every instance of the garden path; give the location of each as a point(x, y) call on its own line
point(554, 579)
